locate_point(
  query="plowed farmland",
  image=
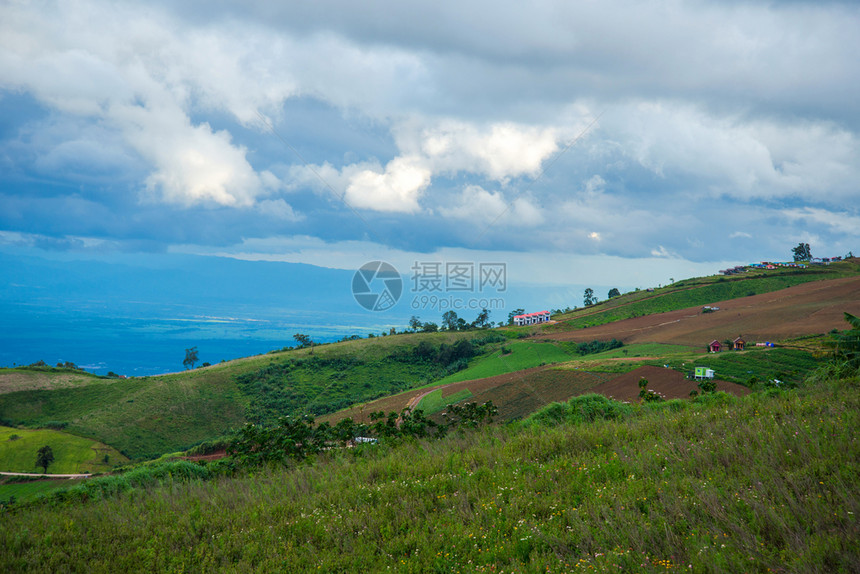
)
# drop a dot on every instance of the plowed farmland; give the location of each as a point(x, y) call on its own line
point(666, 382)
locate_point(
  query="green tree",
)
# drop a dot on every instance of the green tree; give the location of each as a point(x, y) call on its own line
point(614, 292)
point(513, 314)
point(802, 252)
point(44, 457)
point(303, 340)
point(449, 321)
point(415, 323)
point(190, 358)
point(482, 320)
point(588, 297)
point(429, 327)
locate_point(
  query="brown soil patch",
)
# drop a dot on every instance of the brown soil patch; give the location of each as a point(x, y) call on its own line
point(809, 308)
point(667, 382)
point(213, 456)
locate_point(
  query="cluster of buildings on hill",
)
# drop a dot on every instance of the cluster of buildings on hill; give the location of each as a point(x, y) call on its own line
point(778, 264)
point(531, 318)
point(737, 344)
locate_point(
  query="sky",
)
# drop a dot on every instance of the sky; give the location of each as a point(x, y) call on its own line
point(616, 141)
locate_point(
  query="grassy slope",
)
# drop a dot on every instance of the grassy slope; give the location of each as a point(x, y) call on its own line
point(31, 378)
point(72, 454)
point(523, 355)
point(140, 417)
point(764, 483)
point(145, 417)
point(27, 491)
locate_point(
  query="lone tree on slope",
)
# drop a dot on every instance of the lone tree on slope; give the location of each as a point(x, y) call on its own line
point(588, 298)
point(190, 358)
point(44, 457)
point(802, 252)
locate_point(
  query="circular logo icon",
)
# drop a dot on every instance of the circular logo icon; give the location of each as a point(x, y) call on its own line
point(377, 286)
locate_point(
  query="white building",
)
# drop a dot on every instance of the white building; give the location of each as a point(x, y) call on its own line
point(531, 318)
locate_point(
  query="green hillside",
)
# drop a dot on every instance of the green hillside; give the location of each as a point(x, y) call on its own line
point(146, 417)
point(764, 483)
point(72, 454)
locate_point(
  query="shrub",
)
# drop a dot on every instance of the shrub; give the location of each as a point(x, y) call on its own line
point(56, 425)
point(582, 409)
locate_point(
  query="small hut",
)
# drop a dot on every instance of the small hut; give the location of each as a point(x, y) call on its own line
point(738, 344)
point(715, 346)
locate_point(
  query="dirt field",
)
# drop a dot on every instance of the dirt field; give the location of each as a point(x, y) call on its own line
point(669, 383)
point(815, 307)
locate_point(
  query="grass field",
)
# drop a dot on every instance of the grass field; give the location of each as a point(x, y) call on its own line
point(762, 483)
point(644, 350)
point(435, 402)
point(523, 355)
point(789, 365)
point(72, 454)
point(28, 491)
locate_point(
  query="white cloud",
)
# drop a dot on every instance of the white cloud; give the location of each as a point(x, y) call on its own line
point(743, 234)
point(594, 186)
point(662, 252)
point(278, 209)
point(840, 222)
point(141, 72)
point(479, 205)
point(736, 156)
point(431, 148)
point(499, 150)
point(395, 189)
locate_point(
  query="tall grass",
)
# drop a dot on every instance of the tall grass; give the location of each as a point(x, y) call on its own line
point(764, 483)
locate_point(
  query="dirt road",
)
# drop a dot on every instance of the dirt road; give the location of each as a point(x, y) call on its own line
point(35, 475)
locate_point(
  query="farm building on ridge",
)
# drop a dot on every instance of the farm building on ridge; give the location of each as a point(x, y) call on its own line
point(531, 318)
point(715, 346)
